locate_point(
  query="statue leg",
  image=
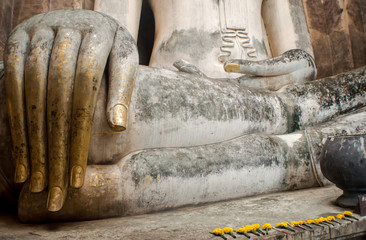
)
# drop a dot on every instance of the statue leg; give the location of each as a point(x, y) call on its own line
point(173, 109)
point(158, 179)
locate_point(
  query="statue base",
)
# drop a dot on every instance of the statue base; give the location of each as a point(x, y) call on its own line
point(196, 222)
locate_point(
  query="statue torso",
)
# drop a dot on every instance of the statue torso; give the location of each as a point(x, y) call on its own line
point(207, 33)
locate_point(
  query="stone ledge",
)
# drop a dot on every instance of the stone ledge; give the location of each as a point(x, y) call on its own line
point(196, 222)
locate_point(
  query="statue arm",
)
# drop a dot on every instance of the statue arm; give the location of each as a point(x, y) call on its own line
point(286, 26)
point(127, 12)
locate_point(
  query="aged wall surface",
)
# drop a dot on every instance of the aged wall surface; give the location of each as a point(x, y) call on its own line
point(338, 34)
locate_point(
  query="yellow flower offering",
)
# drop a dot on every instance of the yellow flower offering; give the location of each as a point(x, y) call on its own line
point(340, 216)
point(285, 226)
point(218, 231)
point(282, 224)
point(228, 230)
point(297, 224)
point(294, 223)
point(320, 220)
point(304, 223)
point(256, 226)
point(243, 231)
point(267, 226)
point(347, 213)
point(325, 221)
point(248, 228)
point(332, 219)
point(310, 221)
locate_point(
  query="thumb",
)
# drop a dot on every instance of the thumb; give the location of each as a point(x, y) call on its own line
point(123, 62)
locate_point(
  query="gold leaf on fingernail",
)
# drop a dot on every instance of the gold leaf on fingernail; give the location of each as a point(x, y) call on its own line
point(37, 183)
point(232, 67)
point(20, 174)
point(55, 199)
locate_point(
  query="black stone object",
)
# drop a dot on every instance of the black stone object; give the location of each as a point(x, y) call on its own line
point(343, 162)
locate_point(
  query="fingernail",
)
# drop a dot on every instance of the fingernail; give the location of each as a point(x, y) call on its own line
point(232, 67)
point(118, 117)
point(77, 179)
point(55, 199)
point(20, 174)
point(37, 183)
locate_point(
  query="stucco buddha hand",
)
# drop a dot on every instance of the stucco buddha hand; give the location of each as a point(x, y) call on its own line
point(54, 64)
point(293, 66)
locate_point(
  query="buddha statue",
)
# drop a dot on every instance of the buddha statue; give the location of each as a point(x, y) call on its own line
point(227, 108)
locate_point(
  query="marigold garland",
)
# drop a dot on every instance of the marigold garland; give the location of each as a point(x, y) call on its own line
point(256, 228)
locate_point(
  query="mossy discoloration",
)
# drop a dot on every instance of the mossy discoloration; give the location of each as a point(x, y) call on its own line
point(207, 160)
point(186, 97)
point(323, 100)
point(193, 42)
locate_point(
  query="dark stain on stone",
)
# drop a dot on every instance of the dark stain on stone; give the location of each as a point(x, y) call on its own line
point(163, 94)
point(299, 21)
point(334, 92)
point(193, 42)
point(260, 47)
point(207, 160)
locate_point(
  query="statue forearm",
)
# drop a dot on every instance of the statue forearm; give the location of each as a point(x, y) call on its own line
point(286, 26)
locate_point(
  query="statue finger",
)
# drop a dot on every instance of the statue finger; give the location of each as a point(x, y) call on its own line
point(16, 49)
point(92, 60)
point(123, 63)
point(36, 69)
point(185, 66)
point(286, 63)
point(61, 77)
